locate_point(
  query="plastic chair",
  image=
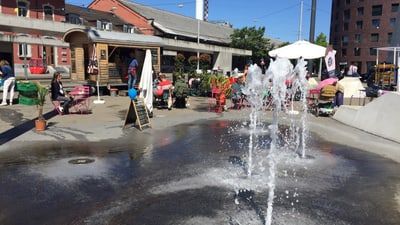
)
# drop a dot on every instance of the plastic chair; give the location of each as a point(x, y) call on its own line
point(238, 105)
point(213, 102)
point(81, 96)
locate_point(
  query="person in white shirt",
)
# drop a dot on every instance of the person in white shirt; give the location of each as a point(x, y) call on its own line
point(353, 70)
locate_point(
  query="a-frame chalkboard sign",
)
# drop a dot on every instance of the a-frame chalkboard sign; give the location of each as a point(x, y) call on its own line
point(137, 112)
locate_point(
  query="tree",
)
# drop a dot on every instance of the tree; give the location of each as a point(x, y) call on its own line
point(321, 40)
point(253, 39)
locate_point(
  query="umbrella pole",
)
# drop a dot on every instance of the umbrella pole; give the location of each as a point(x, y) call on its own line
point(98, 100)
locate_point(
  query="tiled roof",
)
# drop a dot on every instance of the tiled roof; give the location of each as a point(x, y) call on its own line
point(175, 24)
point(91, 16)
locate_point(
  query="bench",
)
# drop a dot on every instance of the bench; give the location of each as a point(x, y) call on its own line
point(116, 88)
point(117, 85)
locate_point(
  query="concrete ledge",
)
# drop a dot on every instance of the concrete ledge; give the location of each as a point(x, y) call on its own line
point(346, 114)
point(379, 117)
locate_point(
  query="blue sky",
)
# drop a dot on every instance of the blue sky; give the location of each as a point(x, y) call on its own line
point(280, 18)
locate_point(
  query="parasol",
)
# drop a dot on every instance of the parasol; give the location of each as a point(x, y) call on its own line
point(299, 49)
point(146, 82)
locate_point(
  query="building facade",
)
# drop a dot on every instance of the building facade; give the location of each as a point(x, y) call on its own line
point(180, 34)
point(33, 30)
point(359, 27)
point(63, 36)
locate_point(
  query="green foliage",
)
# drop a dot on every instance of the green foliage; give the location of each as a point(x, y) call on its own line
point(193, 65)
point(321, 40)
point(178, 63)
point(41, 98)
point(220, 82)
point(252, 39)
point(205, 62)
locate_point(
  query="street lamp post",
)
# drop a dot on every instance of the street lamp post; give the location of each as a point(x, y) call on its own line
point(198, 41)
point(198, 45)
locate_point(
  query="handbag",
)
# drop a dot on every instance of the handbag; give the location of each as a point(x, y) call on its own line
point(93, 63)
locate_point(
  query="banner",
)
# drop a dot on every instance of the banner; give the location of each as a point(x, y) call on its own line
point(330, 61)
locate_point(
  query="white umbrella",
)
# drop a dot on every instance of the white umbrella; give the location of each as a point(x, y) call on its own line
point(299, 49)
point(146, 82)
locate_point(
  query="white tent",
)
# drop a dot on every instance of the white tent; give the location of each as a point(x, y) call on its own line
point(146, 82)
point(299, 49)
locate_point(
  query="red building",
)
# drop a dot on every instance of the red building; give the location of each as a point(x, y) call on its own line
point(33, 30)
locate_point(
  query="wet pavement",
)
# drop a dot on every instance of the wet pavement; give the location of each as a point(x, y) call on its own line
point(188, 169)
point(175, 177)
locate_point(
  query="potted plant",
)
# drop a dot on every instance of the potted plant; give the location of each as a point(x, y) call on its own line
point(220, 89)
point(40, 123)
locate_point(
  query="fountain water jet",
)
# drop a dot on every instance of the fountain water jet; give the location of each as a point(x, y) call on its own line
point(275, 81)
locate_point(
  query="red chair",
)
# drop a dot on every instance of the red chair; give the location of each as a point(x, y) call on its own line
point(81, 95)
point(214, 104)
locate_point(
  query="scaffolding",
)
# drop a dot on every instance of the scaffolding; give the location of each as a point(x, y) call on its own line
point(396, 59)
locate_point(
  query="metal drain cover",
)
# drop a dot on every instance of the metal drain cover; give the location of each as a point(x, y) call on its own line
point(81, 161)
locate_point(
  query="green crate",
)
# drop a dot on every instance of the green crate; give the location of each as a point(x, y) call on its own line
point(28, 94)
point(26, 86)
point(26, 101)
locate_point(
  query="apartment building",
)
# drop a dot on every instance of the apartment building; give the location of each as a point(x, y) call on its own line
point(359, 27)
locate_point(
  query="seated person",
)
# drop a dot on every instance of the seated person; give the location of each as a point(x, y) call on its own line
point(163, 85)
point(58, 93)
point(237, 94)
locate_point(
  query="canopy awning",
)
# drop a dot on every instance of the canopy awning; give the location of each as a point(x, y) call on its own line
point(124, 38)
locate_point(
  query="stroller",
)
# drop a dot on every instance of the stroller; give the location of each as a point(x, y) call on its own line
point(163, 99)
point(326, 100)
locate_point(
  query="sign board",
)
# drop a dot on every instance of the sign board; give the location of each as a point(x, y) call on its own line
point(137, 113)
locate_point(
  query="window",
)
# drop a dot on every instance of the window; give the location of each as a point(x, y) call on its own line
point(360, 11)
point(128, 28)
point(395, 7)
point(24, 50)
point(48, 12)
point(390, 38)
point(377, 10)
point(73, 61)
point(346, 14)
point(347, 2)
point(73, 19)
point(392, 21)
point(346, 26)
point(376, 23)
point(372, 51)
point(344, 52)
point(357, 38)
point(374, 37)
point(22, 8)
point(104, 25)
point(371, 65)
point(357, 51)
point(359, 25)
point(345, 40)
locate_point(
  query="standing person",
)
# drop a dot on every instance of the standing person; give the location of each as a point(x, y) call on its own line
point(132, 75)
point(181, 92)
point(8, 81)
point(353, 70)
point(58, 93)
